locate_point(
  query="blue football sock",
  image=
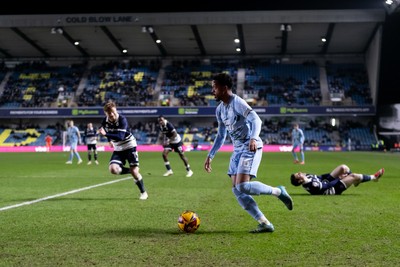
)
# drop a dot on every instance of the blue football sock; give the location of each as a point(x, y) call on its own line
point(365, 178)
point(254, 188)
point(248, 204)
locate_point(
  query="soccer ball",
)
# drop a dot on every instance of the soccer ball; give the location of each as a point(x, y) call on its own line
point(188, 221)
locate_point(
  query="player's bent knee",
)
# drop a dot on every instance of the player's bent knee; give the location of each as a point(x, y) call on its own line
point(114, 169)
point(243, 187)
point(344, 168)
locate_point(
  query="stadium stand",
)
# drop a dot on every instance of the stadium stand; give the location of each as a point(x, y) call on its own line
point(349, 83)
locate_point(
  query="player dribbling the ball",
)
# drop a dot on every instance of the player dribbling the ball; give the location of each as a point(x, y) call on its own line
point(236, 118)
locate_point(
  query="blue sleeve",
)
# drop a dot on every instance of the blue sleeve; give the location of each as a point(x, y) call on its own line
point(220, 138)
point(301, 136)
point(255, 124)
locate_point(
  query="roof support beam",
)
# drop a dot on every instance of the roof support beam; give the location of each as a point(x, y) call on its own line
point(4, 52)
point(239, 28)
point(72, 41)
point(284, 39)
point(328, 37)
point(30, 41)
point(112, 38)
point(196, 34)
point(156, 40)
point(371, 38)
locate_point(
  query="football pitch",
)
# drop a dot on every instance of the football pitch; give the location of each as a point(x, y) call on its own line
point(54, 214)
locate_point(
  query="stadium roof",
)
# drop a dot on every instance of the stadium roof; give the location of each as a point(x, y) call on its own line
point(262, 30)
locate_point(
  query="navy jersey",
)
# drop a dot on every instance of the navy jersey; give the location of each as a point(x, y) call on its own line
point(118, 133)
point(168, 131)
point(90, 136)
point(324, 185)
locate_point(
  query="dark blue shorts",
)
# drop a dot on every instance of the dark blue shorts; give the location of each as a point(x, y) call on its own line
point(121, 157)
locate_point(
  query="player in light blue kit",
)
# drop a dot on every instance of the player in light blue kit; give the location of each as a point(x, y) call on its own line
point(74, 138)
point(297, 142)
point(243, 125)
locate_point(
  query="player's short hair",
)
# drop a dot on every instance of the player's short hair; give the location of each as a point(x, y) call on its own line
point(109, 106)
point(223, 79)
point(293, 180)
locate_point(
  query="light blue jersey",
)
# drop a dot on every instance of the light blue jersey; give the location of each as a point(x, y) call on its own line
point(297, 142)
point(73, 136)
point(236, 118)
point(297, 136)
point(242, 124)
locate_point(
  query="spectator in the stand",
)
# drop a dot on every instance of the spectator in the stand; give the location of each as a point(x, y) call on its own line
point(380, 145)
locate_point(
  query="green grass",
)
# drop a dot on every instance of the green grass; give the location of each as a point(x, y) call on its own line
point(109, 226)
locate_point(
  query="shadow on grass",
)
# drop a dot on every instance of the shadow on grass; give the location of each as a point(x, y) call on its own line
point(309, 195)
point(151, 232)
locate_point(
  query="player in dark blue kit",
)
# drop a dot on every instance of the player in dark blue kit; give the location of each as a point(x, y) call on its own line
point(90, 137)
point(172, 142)
point(115, 127)
point(334, 183)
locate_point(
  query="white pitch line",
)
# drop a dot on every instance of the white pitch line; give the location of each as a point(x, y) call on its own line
point(61, 194)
